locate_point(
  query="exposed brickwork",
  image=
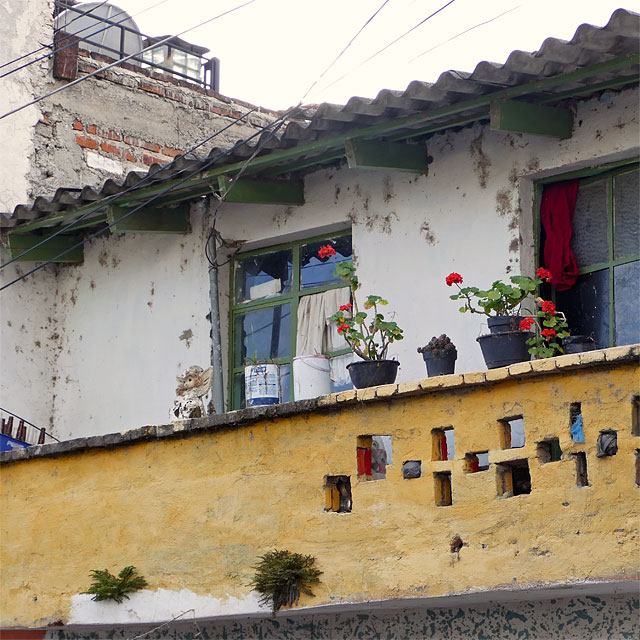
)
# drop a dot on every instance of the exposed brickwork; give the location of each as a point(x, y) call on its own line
point(77, 125)
point(86, 143)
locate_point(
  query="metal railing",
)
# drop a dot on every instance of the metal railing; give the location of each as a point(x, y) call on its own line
point(26, 431)
point(209, 72)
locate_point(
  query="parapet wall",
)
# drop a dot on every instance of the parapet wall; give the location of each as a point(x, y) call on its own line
point(193, 504)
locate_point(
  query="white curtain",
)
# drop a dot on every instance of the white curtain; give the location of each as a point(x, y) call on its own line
point(315, 332)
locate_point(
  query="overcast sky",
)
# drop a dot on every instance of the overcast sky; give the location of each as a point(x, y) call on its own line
point(271, 51)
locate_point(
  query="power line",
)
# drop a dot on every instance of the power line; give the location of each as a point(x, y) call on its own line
point(66, 46)
point(480, 24)
point(128, 57)
point(134, 187)
point(47, 46)
point(362, 28)
point(144, 204)
point(404, 35)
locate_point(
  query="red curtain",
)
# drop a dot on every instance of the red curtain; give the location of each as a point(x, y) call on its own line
point(556, 213)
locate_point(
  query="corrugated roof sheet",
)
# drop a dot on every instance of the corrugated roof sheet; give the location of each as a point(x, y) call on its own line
point(589, 46)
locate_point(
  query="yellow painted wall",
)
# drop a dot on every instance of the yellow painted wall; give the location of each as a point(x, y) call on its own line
point(195, 512)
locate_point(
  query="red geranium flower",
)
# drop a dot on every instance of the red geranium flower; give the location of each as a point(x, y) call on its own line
point(526, 324)
point(344, 307)
point(326, 252)
point(453, 278)
point(548, 307)
point(545, 274)
point(548, 333)
point(343, 327)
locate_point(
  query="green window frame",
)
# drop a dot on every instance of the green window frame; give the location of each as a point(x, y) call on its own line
point(291, 297)
point(607, 172)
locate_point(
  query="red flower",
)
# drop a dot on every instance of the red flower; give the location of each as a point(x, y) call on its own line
point(326, 252)
point(343, 327)
point(545, 274)
point(548, 307)
point(453, 278)
point(548, 333)
point(344, 307)
point(526, 324)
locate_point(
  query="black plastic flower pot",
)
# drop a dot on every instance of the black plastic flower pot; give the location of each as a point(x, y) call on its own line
point(504, 348)
point(440, 363)
point(500, 324)
point(371, 373)
point(578, 344)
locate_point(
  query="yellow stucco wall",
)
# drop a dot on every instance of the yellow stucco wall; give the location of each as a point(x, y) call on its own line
point(195, 512)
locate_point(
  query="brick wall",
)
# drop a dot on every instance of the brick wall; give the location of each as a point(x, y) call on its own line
point(126, 119)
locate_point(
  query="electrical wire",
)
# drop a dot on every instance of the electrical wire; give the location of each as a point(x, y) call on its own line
point(66, 46)
point(48, 46)
point(147, 202)
point(362, 28)
point(213, 232)
point(134, 187)
point(404, 35)
point(127, 57)
point(480, 24)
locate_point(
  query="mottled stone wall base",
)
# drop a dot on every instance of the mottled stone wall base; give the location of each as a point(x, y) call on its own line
point(578, 618)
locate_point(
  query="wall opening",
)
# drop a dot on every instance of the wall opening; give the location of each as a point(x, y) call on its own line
point(513, 478)
point(511, 432)
point(442, 488)
point(373, 456)
point(549, 450)
point(638, 467)
point(412, 469)
point(582, 479)
point(575, 422)
point(635, 416)
point(476, 461)
point(442, 444)
point(607, 443)
point(337, 494)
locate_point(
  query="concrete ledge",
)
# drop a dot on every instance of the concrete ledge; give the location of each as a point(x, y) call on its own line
point(334, 402)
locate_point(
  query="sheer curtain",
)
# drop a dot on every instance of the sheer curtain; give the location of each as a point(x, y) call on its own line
point(316, 334)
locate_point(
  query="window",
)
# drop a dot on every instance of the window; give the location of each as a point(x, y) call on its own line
point(281, 298)
point(373, 456)
point(606, 245)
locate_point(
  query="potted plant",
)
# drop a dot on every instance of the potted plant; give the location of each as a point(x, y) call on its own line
point(550, 328)
point(368, 337)
point(505, 343)
point(439, 355)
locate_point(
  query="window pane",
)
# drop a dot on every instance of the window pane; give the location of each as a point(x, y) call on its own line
point(590, 224)
point(238, 391)
point(263, 276)
point(626, 207)
point(626, 290)
point(285, 383)
point(315, 271)
point(586, 306)
point(263, 334)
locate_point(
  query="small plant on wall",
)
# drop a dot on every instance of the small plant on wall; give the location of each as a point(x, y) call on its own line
point(106, 586)
point(281, 576)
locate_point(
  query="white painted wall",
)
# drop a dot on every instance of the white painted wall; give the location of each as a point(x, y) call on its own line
point(120, 345)
point(23, 27)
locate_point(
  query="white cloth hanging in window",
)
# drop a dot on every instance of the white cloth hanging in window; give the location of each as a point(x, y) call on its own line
point(315, 332)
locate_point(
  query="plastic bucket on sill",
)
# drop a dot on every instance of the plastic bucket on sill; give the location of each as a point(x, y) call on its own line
point(261, 385)
point(311, 376)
